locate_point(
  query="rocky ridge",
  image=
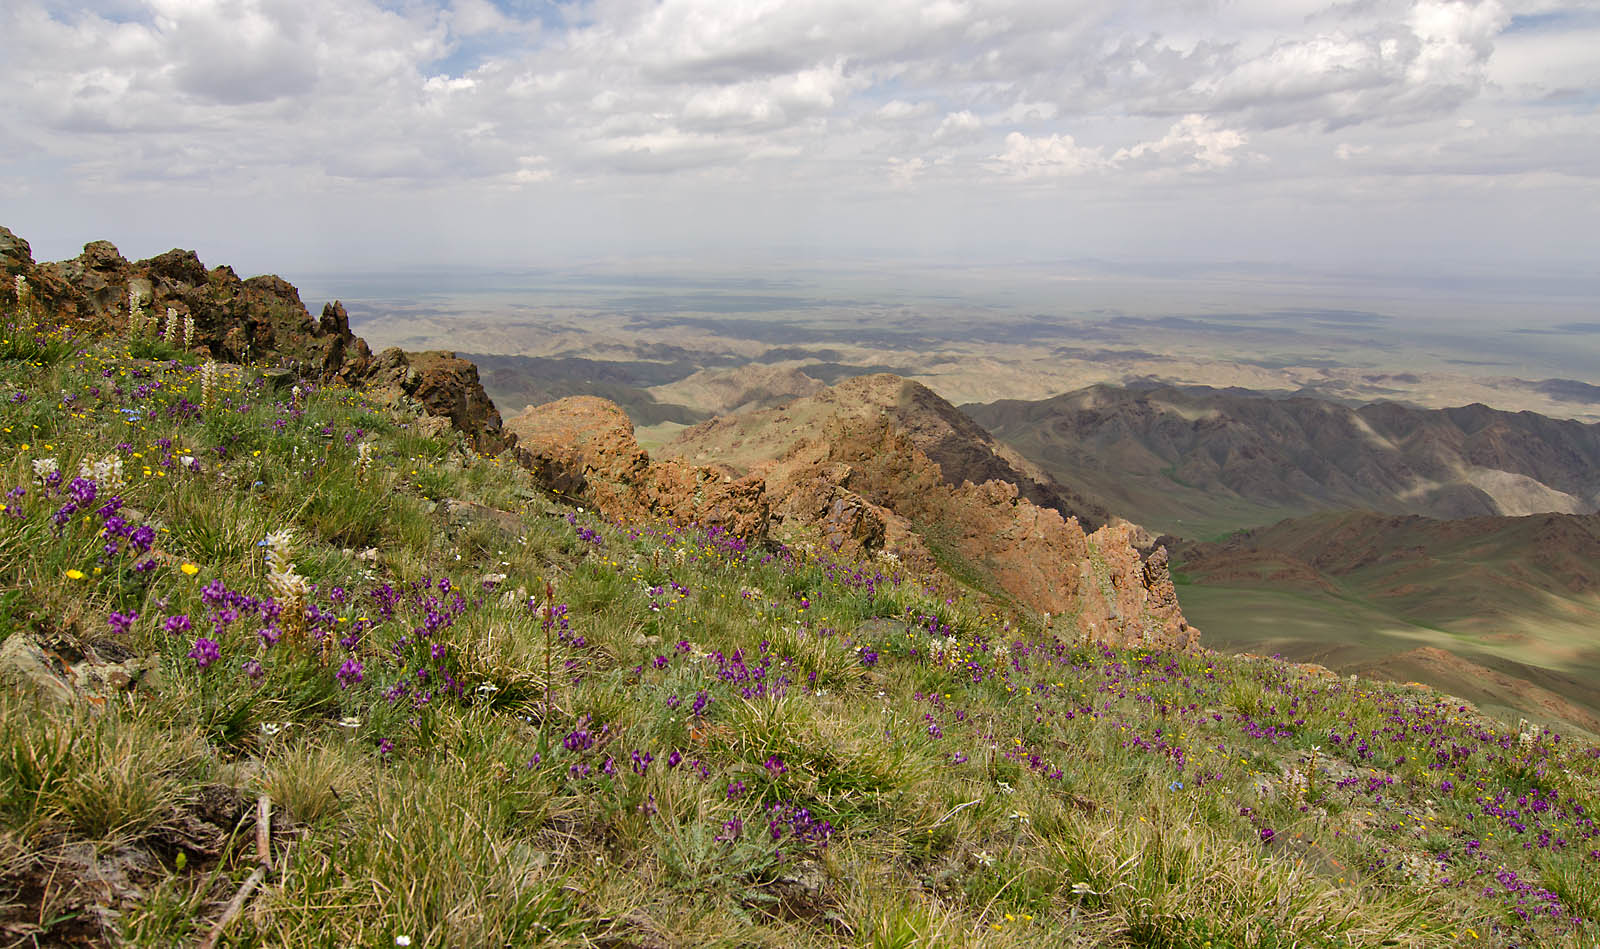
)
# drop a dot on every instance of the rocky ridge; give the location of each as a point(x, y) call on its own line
point(861, 486)
point(244, 320)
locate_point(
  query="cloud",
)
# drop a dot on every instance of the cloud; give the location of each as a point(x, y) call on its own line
point(812, 98)
point(1055, 156)
point(1197, 141)
point(1193, 143)
point(959, 126)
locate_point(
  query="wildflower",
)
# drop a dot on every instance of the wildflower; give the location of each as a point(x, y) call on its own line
point(173, 327)
point(75, 574)
point(105, 473)
point(252, 669)
point(351, 673)
point(189, 569)
point(177, 624)
point(775, 765)
point(188, 331)
point(208, 383)
point(120, 623)
point(1267, 833)
point(43, 468)
point(401, 940)
point(735, 788)
point(205, 652)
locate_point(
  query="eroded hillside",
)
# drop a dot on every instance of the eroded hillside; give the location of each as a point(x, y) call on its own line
point(1197, 461)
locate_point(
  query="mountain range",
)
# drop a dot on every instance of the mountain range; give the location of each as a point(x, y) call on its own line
point(1198, 461)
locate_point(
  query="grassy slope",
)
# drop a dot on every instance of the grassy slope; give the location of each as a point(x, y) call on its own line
point(646, 736)
point(1497, 592)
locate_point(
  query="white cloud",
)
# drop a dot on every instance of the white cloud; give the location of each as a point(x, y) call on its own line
point(1054, 156)
point(1197, 141)
point(959, 126)
point(809, 98)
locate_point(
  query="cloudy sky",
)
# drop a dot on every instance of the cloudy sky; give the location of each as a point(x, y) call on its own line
point(1441, 136)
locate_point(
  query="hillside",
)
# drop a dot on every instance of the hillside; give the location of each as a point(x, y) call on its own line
point(290, 658)
point(1198, 461)
point(962, 450)
point(1502, 610)
point(861, 488)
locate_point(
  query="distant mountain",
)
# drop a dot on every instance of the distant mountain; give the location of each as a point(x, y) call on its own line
point(516, 382)
point(1502, 610)
point(747, 388)
point(1197, 461)
point(961, 448)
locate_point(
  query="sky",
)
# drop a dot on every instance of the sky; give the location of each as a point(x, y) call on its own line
point(1451, 137)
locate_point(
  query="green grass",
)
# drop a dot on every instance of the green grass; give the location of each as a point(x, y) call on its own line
point(653, 762)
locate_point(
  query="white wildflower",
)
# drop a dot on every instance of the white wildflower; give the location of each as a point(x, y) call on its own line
point(136, 314)
point(174, 328)
point(188, 331)
point(106, 473)
point(291, 589)
point(209, 374)
point(45, 467)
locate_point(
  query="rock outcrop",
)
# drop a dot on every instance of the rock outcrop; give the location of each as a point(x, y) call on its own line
point(260, 319)
point(584, 446)
point(448, 388)
point(861, 486)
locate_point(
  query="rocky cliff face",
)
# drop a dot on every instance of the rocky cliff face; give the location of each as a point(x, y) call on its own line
point(257, 319)
point(862, 486)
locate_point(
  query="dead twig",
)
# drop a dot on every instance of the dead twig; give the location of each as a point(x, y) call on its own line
point(234, 906)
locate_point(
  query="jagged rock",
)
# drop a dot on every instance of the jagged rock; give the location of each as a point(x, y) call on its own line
point(446, 386)
point(258, 319)
point(1141, 605)
point(16, 257)
point(584, 445)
